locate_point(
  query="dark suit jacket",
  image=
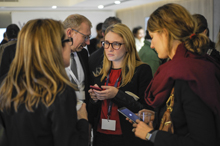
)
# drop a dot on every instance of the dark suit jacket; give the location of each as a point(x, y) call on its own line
point(92, 47)
point(194, 122)
point(138, 85)
point(7, 58)
point(95, 61)
point(56, 125)
point(83, 57)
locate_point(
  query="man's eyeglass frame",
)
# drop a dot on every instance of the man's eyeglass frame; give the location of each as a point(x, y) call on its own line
point(86, 36)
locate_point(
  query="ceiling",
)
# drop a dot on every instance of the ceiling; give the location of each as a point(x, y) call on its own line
point(16, 5)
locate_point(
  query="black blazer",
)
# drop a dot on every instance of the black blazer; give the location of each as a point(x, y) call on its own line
point(56, 125)
point(83, 57)
point(96, 59)
point(194, 122)
point(138, 85)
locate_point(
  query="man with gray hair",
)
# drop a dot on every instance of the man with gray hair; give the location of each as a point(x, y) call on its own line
point(78, 27)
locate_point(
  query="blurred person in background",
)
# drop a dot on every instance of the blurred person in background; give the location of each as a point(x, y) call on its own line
point(12, 31)
point(95, 43)
point(149, 55)
point(202, 27)
point(138, 33)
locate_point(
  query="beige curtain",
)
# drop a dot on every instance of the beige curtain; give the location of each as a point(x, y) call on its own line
point(135, 16)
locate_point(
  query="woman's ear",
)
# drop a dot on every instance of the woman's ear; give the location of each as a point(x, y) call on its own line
point(205, 32)
point(165, 31)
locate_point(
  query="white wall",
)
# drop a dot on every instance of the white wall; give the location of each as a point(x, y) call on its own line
point(21, 17)
point(135, 16)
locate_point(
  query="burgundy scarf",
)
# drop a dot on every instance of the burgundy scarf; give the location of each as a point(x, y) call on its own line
point(200, 72)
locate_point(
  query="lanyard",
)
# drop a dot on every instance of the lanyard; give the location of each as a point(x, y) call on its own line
point(110, 102)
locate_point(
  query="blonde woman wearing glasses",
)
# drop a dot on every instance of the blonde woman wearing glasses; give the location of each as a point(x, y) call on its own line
point(122, 74)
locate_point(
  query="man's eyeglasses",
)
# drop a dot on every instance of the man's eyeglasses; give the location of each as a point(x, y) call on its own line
point(85, 36)
point(115, 45)
point(68, 40)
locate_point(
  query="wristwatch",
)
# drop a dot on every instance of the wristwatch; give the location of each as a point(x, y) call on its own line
point(149, 134)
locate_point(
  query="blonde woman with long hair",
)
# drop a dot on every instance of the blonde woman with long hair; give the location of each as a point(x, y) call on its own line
point(122, 74)
point(37, 100)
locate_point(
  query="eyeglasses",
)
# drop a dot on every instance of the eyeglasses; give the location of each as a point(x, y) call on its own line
point(115, 45)
point(68, 40)
point(85, 36)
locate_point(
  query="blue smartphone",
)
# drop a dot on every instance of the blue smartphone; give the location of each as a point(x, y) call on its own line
point(129, 114)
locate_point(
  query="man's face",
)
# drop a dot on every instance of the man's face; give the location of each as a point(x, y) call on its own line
point(79, 38)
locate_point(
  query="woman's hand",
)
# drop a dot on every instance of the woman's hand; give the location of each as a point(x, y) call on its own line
point(109, 92)
point(141, 129)
point(93, 94)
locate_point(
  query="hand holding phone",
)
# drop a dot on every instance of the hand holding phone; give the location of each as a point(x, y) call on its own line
point(129, 114)
point(96, 88)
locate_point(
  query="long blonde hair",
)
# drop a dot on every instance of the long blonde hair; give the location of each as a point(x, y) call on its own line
point(180, 26)
point(131, 59)
point(37, 72)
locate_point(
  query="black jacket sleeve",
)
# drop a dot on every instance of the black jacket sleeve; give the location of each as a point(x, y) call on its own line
point(138, 85)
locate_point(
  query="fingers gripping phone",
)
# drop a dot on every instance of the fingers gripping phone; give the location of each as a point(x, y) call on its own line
point(129, 114)
point(96, 88)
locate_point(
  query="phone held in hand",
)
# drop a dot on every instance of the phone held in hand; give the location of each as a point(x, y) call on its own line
point(96, 88)
point(129, 114)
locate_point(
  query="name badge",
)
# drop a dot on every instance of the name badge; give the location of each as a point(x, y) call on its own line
point(108, 124)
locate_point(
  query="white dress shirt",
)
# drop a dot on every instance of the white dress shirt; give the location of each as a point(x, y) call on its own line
point(80, 81)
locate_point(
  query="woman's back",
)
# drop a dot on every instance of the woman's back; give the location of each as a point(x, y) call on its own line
point(37, 100)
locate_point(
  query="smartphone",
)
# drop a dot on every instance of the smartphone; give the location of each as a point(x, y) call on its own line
point(96, 88)
point(129, 114)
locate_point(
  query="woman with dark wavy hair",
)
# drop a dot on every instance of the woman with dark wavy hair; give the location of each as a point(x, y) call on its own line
point(37, 100)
